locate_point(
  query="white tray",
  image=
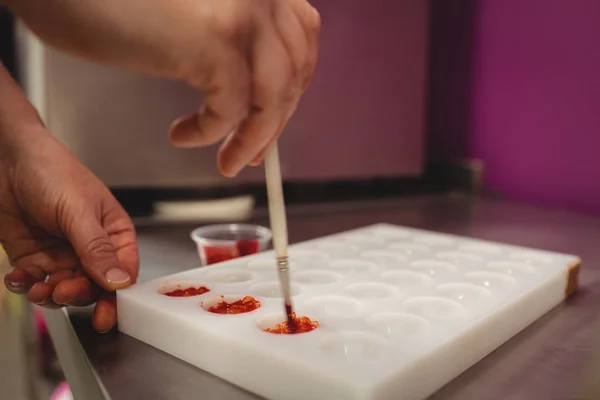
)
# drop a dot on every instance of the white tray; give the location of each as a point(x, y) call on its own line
point(401, 311)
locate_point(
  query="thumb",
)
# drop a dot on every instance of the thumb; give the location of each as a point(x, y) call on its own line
point(98, 255)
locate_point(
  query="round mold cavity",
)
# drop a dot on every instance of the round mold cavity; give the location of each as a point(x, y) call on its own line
point(406, 279)
point(530, 257)
point(213, 301)
point(390, 233)
point(511, 268)
point(384, 258)
point(433, 240)
point(481, 248)
point(316, 277)
point(459, 257)
point(353, 266)
point(410, 249)
point(353, 346)
point(463, 292)
point(490, 280)
point(364, 240)
point(272, 290)
point(433, 307)
point(263, 265)
point(168, 288)
point(308, 257)
point(433, 267)
point(338, 248)
point(272, 320)
point(230, 276)
point(334, 306)
point(371, 290)
point(397, 325)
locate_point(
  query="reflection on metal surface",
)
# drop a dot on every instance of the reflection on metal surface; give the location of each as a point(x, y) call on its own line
point(19, 357)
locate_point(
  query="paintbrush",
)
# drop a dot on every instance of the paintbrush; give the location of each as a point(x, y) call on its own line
point(278, 219)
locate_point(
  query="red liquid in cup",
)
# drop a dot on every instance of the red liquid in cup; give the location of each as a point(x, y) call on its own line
point(216, 254)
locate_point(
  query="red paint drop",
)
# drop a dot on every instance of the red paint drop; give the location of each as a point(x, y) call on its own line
point(301, 325)
point(241, 306)
point(217, 254)
point(192, 291)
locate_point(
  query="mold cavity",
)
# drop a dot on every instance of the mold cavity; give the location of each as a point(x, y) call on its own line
point(371, 290)
point(277, 324)
point(530, 257)
point(184, 289)
point(463, 292)
point(383, 258)
point(389, 233)
point(316, 277)
point(334, 306)
point(397, 324)
point(364, 239)
point(410, 249)
point(480, 248)
point(338, 248)
point(263, 265)
point(231, 304)
point(511, 268)
point(308, 257)
point(353, 346)
point(490, 279)
point(433, 267)
point(230, 276)
point(433, 240)
point(459, 257)
point(356, 266)
point(406, 279)
point(272, 289)
point(433, 307)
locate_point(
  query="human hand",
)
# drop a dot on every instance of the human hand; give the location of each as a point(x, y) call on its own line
point(253, 59)
point(68, 239)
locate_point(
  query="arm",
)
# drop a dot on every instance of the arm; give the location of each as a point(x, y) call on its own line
point(19, 121)
point(253, 59)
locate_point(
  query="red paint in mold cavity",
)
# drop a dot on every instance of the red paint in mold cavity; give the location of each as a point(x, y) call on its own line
point(241, 306)
point(189, 292)
point(300, 325)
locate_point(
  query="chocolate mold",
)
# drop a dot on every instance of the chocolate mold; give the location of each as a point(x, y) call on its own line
point(393, 304)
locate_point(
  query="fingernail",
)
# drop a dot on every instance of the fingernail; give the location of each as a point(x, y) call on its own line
point(14, 285)
point(117, 276)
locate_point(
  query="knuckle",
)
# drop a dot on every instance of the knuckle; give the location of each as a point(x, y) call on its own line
point(314, 22)
point(100, 248)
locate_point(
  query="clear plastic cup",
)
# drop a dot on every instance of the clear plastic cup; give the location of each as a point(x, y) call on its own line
point(217, 243)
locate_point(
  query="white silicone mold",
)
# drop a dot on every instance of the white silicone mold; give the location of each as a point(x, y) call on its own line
point(401, 312)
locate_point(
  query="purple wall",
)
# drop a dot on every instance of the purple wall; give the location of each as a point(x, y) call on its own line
point(517, 84)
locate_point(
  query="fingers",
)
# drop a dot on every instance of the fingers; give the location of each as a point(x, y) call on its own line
point(41, 295)
point(98, 255)
point(272, 96)
point(19, 281)
point(77, 292)
point(105, 313)
point(283, 64)
point(310, 20)
point(226, 103)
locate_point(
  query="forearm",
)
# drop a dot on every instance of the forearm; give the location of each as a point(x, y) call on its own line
point(19, 121)
point(104, 31)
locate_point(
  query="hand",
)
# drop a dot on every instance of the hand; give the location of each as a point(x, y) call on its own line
point(68, 239)
point(253, 59)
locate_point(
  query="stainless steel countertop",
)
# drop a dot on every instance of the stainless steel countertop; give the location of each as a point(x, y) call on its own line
point(555, 358)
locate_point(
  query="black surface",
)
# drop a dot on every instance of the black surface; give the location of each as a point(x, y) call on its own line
point(7, 41)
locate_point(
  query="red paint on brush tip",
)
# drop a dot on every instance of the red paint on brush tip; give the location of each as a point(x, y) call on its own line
point(300, 325)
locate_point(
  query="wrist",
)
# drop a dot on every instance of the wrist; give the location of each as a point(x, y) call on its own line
point(20, 124)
